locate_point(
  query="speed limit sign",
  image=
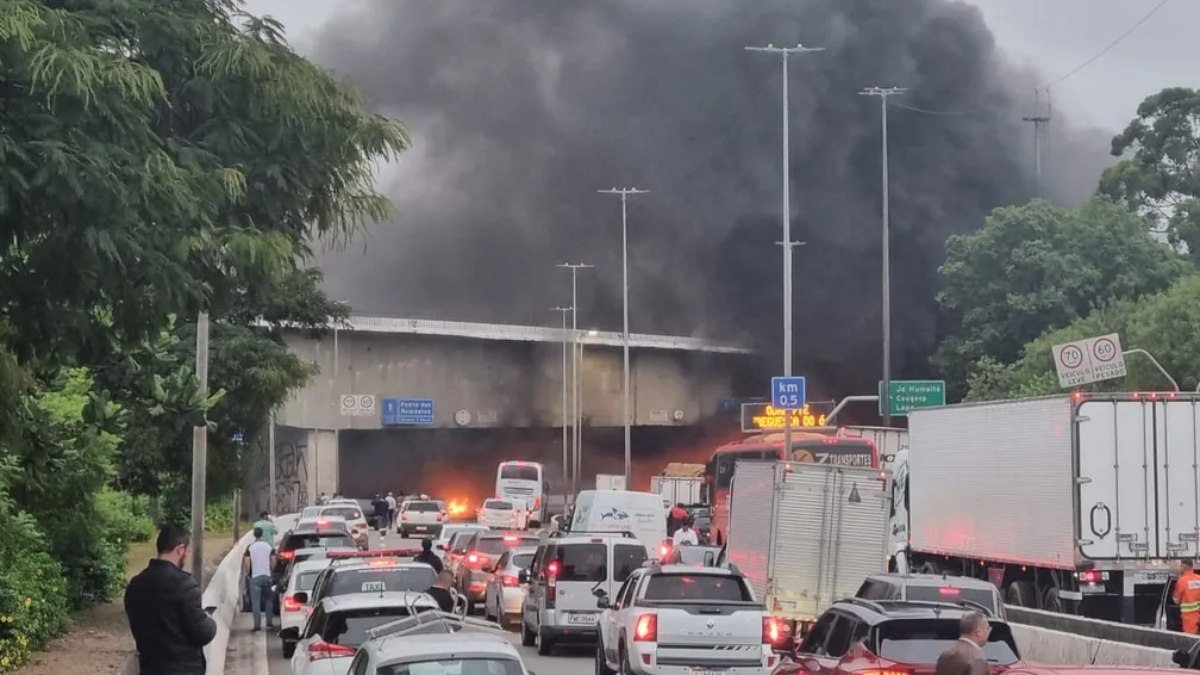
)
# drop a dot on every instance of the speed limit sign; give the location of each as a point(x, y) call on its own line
point(1091, 360)
point(358, 405)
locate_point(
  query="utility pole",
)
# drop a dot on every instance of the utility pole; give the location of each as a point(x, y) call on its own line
point(200, 453)
point(883, 94)
point(624, 193)
point(575, 267)
point(565, 461)
point(271, 463)
point(786, 242)
point(1041, 128)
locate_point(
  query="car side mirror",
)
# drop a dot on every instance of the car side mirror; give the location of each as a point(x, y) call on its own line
point(441, 547)
point(523, 576)
point(291, 634)
point(1182, 658)
point(300, 597)
point(210, 609)
point(602, 602)
point(599, 592)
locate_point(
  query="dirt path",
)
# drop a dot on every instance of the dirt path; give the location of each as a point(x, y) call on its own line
point(99, 640)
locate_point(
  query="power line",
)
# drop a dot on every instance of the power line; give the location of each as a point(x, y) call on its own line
point(924, 111)
point(1112, 44)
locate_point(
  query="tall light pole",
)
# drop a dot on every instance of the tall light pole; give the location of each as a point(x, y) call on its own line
point(624, 193)
point(786, 243)
point(575, 267)
point(886, 395)
point(200, 453)
point(565, 461)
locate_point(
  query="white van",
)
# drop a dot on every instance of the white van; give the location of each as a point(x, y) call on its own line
point(641, 513)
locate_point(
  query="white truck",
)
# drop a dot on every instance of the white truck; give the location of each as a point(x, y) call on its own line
point(680, 483)
point(1080, 503)
point(888, 441)
point(609, 481)
point(806, 535)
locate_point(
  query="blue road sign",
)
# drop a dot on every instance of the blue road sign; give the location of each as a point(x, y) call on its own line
point(239, 436)
point(788, 393)
point(398, 412)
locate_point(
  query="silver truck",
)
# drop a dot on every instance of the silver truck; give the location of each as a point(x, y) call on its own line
point(806, 535)
point(1080, 503)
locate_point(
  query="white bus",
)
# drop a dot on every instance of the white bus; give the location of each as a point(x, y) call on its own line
point(524, 481)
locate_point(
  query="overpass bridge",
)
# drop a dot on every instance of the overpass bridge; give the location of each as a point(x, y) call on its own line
point(475, 394)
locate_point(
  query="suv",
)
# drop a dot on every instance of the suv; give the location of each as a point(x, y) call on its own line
point(478, 556)
point(933, 588)
point(892, 636)
point(566, 571)
point(675, 615)
point(425, 516)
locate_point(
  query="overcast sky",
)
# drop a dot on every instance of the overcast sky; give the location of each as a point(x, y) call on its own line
point(1053, 36)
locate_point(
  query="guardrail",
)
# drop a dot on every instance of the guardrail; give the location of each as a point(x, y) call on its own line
point(1103, 630)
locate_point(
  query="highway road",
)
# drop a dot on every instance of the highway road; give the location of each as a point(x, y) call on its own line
point(260, 653)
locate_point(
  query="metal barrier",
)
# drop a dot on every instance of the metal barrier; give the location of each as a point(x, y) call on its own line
point(1102, 630)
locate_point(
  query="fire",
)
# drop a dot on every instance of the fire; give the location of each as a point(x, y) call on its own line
point(457, 508)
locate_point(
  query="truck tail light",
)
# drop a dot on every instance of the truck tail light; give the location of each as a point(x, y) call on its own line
point(771, 631)
point(647, 628)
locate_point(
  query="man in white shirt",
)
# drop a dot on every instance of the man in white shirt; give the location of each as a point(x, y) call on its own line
point(260, 559)
point(391, 502)
point(685, 534)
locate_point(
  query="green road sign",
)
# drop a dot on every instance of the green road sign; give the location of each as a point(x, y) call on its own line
point(911, 394)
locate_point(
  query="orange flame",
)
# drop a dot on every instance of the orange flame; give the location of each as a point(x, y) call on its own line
point(457, 508)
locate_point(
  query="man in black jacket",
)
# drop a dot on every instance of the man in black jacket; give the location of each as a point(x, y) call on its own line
point(427, 555)
point(165, 617)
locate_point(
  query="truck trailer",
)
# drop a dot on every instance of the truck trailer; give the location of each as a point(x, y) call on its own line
point(806, 535)
point(680, 483)
point(1080, 503)
point(888, 441)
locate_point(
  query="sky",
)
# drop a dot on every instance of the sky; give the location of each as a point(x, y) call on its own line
point(1050, 36)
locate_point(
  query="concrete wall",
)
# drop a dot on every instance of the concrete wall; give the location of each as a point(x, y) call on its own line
point(502, 384)
point(306, 464)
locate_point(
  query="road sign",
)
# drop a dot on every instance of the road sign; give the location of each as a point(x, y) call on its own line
point(1091, 360)
point(358, 405)
point(399, 412)
point(759, 417)
point(909, 395)
point(239, 437)
point(788, 393)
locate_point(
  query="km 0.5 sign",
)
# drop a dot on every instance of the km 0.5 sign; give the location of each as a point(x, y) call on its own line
point(1091, 360)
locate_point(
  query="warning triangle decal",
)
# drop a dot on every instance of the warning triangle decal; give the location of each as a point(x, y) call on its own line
point(854, 498)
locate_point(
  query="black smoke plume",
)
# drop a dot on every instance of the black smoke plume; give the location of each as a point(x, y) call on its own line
point(522, 109)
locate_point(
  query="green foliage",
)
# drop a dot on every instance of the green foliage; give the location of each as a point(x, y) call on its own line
point(176, 508)
point(1167, 325)
point(1036, 267)
point(126, 516)
point(1160, 173)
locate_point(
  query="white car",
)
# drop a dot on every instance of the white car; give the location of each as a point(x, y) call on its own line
point(442, 543)
point(338, 626)
point(505, 593)
point(466, 652)
point(423, 516)
point(354, 517)
point(310, 512)
point(502, 514)
point(294, 608)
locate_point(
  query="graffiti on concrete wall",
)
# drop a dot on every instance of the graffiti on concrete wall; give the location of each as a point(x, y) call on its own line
point(291, 479)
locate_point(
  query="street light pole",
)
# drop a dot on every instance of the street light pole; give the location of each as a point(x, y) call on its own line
point(566, 462)
point(787, 242)
point(624, 193)
point(200, 453)
point(575, 267)
point(886, 394)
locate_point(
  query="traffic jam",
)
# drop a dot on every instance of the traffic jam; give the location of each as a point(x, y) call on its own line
point(817, 557)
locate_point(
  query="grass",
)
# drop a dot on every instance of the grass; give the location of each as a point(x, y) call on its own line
point(216, 544)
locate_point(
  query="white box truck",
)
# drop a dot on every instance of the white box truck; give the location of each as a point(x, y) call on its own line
point(1080, 503)
point(680, 483)
point(609, 481)
point(806, 535)
point(888, 441)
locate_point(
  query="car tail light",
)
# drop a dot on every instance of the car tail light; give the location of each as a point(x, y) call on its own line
point(509, 581)
point(947, 590)
point(287, 555)
point(403, 516)
point(889, 671)
point(478, 559)
point(772, 631)
point(551, 583)
point(537, 502)
point(290, 604)
point(647, 628)
point(439, 517)
point(510, 538)
point(663, 551)
point(324, 650)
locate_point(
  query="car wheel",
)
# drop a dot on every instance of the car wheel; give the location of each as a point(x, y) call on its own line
point(601, 667)
point(289, 648)
point(545, 644)
point(528, 638)
point(626, 669)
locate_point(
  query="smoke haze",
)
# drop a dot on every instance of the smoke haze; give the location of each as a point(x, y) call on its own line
point(522, 109)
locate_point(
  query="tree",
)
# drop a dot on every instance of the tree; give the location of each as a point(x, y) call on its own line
point(1160, 175)
point(1036, 267)
point(1167, 325)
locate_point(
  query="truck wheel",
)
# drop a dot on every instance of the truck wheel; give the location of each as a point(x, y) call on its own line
point(1021, 594)
point(930, 568)
point(1051, 602)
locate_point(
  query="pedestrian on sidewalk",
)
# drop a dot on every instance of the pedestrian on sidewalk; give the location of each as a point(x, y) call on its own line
point(258, 565)
point(163, 606)
point(391, 504)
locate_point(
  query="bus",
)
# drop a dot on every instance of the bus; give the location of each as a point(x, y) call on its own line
point(807, 446)
point(526, 482)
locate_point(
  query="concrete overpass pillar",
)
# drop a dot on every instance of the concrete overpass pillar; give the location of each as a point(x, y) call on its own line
point(323, 476)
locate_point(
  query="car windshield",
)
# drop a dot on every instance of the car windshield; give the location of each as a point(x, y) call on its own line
point(922, 641)
point(582, 562)
point(422, 507)
point(379, 579)
point(310, 512)
point(316, 540)
point(519, 472)
point(498, 505)
point(697, 587)
point(347, 512)
point(454, 667)
point(496, 545)
point(349, 628)
point(978, 596)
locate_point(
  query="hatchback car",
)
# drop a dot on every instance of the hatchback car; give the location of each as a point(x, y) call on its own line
point(504, 593)
point(502, 514)
point(479, 555)
point(359, 531)
point(293, 613)
point(338, 626)
point(933, 588)
point(421, 517)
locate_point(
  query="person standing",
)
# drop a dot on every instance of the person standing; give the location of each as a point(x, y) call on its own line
point(427, 555)
point(391, 506)
point(1187, 594)
point(440, 591)
point(675, 518)
point(965, 656)
point(259, 562)
point(322, 499)
point(381, 513)
point(162, 604)
point(685, 534)
point(267, 525)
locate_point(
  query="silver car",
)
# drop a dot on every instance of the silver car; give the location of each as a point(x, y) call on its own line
point(504, 593)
